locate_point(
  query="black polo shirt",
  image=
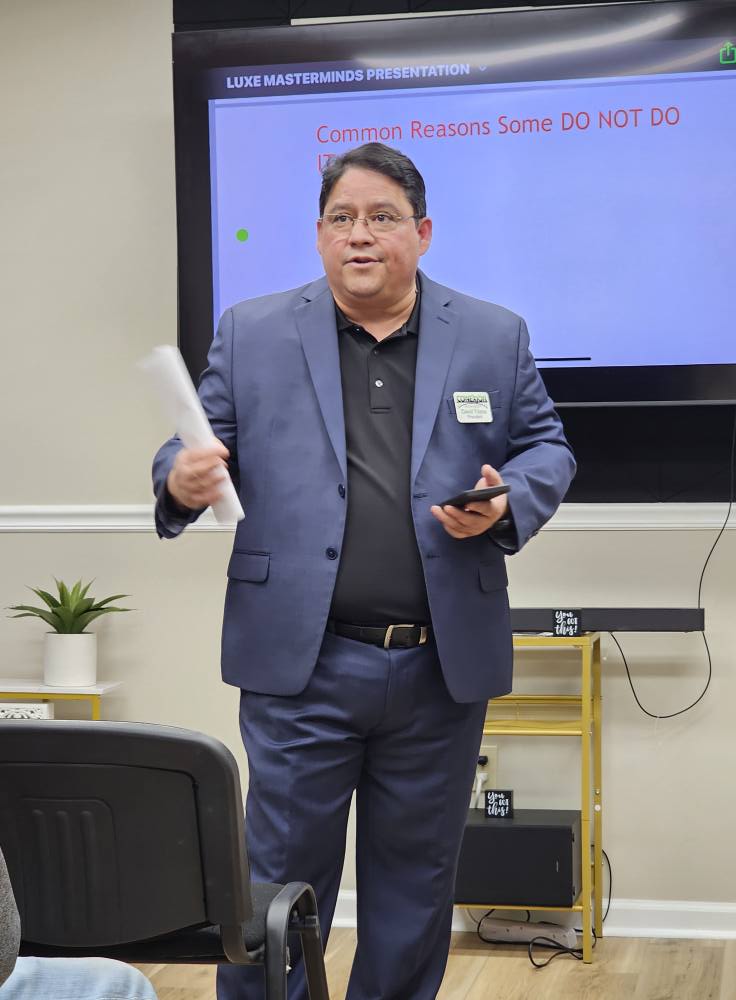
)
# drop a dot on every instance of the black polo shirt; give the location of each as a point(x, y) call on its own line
point(380, 579)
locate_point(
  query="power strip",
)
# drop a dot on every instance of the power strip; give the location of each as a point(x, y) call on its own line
point(510, 932)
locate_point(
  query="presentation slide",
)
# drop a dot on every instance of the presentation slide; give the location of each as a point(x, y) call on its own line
point(601, 210)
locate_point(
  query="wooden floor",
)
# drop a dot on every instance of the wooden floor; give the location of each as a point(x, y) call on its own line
point(623, 969)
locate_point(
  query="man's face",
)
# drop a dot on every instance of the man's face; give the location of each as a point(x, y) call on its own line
point(363, 268)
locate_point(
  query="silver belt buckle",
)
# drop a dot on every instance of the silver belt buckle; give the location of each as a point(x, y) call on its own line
point(390, 631)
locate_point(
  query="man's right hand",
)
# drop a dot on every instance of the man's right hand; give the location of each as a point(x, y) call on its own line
point(195, 480)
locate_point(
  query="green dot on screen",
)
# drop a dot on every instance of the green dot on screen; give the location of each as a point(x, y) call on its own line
point(242, 235)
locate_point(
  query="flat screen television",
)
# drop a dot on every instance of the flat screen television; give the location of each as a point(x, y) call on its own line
point(580, 167)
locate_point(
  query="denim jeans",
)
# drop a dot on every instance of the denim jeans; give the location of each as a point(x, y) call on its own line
point(75, 979)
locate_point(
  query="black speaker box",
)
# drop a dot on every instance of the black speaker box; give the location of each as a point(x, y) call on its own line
point(531, 860)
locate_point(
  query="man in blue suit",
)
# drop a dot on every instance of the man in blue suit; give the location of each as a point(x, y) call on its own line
point(367, 624)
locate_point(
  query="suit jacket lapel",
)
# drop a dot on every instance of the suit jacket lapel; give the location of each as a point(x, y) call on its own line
point(315, 319)
point(438, 329)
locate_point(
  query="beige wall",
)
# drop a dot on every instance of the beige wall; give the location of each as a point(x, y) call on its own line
point(88, 257)
point(88, 265)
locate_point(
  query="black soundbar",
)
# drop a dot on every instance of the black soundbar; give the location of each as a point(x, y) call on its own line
point(612, 619)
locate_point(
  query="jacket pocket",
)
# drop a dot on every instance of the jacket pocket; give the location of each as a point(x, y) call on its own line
point(251, 566)
point(492, 576)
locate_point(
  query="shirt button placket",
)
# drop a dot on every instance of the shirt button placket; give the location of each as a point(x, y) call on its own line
point(375, 381)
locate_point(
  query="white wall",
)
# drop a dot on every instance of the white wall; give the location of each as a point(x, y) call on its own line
point(88, 266)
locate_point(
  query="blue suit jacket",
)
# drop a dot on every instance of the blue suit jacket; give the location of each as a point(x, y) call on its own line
point(272, 391)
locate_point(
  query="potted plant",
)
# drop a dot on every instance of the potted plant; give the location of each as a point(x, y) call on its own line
point(70, 652)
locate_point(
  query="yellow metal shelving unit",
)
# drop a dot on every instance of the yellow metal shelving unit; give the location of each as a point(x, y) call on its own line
point(518, 715)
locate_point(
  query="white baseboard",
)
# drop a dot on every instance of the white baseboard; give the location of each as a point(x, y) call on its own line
point(670, 918)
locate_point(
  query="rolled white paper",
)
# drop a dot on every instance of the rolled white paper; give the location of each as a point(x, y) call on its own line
point(175, 390)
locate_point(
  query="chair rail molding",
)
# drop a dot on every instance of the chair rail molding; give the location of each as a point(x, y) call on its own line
point(91, 518)
point(570, 517)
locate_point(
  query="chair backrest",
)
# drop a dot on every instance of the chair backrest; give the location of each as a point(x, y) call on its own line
point(116, 832)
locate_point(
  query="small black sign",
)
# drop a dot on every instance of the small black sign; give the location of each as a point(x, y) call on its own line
point(567, 622)
point(499, 803)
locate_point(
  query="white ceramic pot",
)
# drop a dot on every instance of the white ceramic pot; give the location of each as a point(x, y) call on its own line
point(70, 660)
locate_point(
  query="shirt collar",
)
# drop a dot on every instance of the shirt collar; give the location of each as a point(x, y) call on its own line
point(411, 325)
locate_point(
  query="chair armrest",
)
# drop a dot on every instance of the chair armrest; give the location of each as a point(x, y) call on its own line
point(294, 910)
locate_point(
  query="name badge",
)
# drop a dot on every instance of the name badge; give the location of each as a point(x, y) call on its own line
point(473, 407)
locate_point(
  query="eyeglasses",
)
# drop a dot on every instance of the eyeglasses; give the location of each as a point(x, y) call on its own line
point(376, 222)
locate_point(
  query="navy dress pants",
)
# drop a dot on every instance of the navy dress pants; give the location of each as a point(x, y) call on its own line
point(382, 724)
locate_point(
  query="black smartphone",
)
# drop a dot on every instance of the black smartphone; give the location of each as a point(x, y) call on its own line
point(470, 496)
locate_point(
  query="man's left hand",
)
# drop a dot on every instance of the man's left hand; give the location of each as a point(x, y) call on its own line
point(474, 518)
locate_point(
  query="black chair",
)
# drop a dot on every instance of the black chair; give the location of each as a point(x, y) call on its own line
point(126, 840)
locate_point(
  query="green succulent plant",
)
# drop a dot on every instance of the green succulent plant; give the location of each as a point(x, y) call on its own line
point(72, 611)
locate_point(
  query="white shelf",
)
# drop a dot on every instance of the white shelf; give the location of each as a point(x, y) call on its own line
point(16, 685)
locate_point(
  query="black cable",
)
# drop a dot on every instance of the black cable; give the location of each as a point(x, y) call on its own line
point(478, 922)
point(610, 886)
point(669, 715)
point(732, 494)
point(579, 930)
point(728, 512)
point(559, 949)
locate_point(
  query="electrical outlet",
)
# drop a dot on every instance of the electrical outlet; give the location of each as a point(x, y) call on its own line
point(489, 768)
point(489, 750)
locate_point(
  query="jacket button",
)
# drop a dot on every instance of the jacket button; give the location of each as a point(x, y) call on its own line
point(341, 490)
point(331, 553)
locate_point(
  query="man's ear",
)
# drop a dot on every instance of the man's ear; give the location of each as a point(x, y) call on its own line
point(424, 229)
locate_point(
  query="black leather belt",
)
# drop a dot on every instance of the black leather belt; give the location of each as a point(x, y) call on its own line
point(388, 636)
